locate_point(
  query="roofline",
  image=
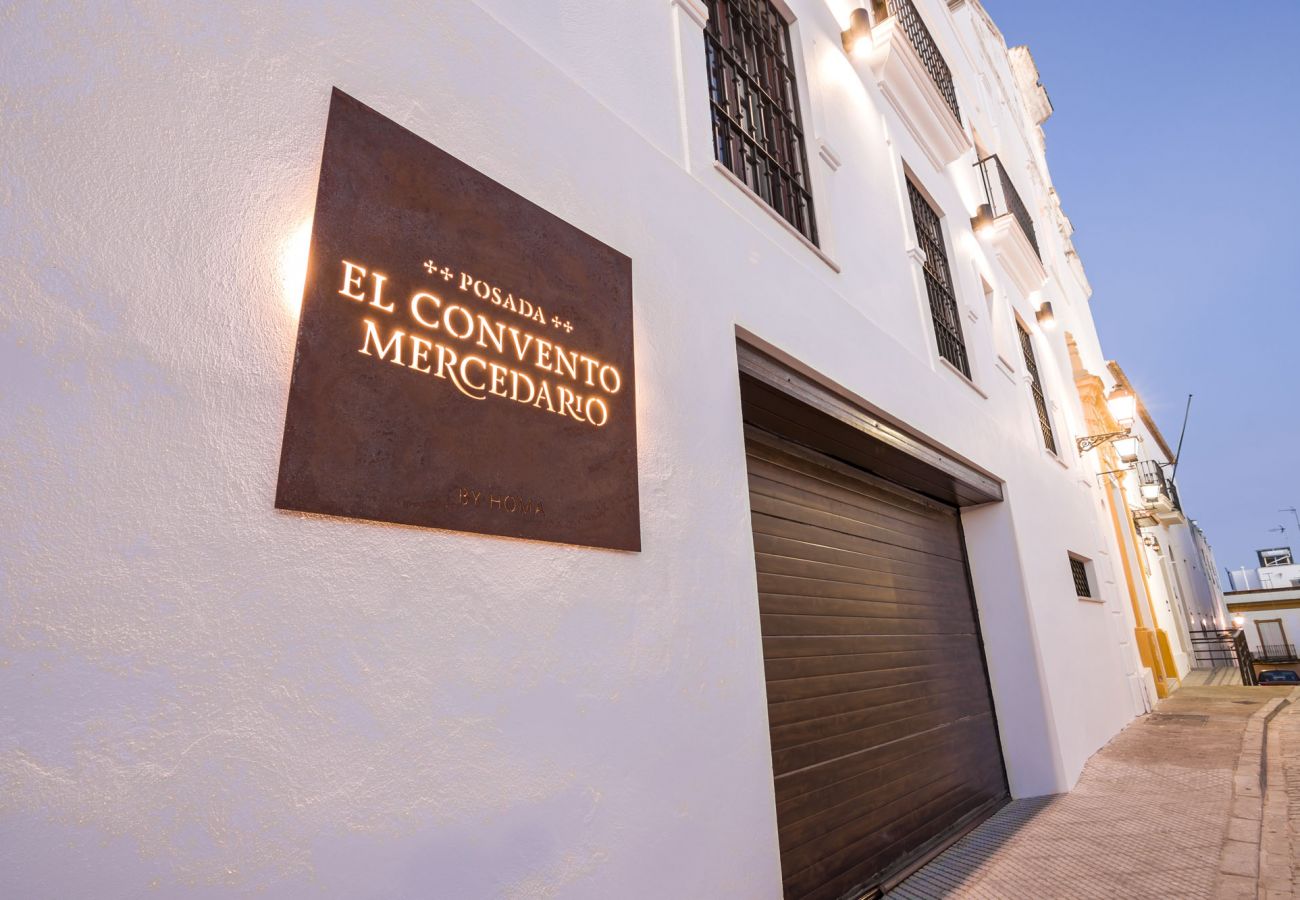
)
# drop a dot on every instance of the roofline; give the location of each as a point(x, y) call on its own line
point(1264, 605)
point(1261, 590)
point(1122, 378)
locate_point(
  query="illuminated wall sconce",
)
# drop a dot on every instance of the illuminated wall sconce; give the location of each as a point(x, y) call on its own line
point(1046, 317)
point(1123, 406)
point(857, 37)
point(1150, 492)
point(1127, 450)
point(983, 218)
point(1239, 621)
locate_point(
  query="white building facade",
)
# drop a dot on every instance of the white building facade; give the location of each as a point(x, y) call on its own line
point(1176, 561)
point(857, 458)
point(1270, 619)
point(1277, 569)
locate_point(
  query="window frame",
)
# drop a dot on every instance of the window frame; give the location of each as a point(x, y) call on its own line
point(1089, 582)
point(793, 170)
point(929, 246)
point(1038, 393)
point(1259, 632)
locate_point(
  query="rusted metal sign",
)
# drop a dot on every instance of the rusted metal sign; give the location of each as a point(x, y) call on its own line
point(464, 357)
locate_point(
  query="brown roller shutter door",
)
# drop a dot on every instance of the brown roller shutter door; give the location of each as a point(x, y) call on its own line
point(884, 743)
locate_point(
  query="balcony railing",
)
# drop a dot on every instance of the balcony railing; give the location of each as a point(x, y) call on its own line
point(1004, 199)
point(1151, 472)
point(1276, 653)
point(1173, 495)
point(923, 43)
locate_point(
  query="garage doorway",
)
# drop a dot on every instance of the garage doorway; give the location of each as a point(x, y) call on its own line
point(884, 739)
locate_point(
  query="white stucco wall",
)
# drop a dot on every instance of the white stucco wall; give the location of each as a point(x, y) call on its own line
point(1287, 601)
point(1279, 576)
point(201, 695)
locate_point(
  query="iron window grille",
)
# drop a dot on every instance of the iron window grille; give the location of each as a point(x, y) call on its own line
point(754, 100)
point(1080, 573)
point(938, 281)
point(923, 43)
point(1036, 387)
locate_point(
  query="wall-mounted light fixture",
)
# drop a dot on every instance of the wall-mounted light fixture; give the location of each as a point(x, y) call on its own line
point(1126, 448)
point(1093, 441)
point(1239, 621)
point(1150, 492)
point(857, 37)
point(1046, 317)
point(983, 218)
point(1123, 406)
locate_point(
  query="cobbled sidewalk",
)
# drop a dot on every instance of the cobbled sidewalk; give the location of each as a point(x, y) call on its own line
point(1279, 869)
point(1151, 815)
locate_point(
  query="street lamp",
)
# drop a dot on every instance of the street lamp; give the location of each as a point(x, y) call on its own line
point(1127, 448)
point(1123, 407)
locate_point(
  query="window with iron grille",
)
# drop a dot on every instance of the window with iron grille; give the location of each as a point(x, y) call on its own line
point(754, 97)
point(938, 281)
point(1080, 572)
point(1036, 387)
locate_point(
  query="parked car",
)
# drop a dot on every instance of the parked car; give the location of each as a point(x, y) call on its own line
point(1278, 676)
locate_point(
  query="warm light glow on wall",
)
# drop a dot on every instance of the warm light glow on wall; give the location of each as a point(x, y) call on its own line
point(836, 69)
point(293, 265)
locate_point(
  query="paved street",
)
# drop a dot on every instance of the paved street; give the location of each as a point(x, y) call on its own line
point(1172, 807)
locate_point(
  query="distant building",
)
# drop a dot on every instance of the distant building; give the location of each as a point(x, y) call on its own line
point(1177, 571)
point(1277, 556)
point(1270, 619)
point(1277, 569)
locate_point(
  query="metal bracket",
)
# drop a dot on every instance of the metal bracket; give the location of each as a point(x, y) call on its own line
point(1093, 441)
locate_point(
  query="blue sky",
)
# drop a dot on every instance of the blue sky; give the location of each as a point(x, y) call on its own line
point(1175, 146)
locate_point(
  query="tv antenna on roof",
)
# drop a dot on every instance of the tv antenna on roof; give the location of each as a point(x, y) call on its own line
point(1292, 510)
